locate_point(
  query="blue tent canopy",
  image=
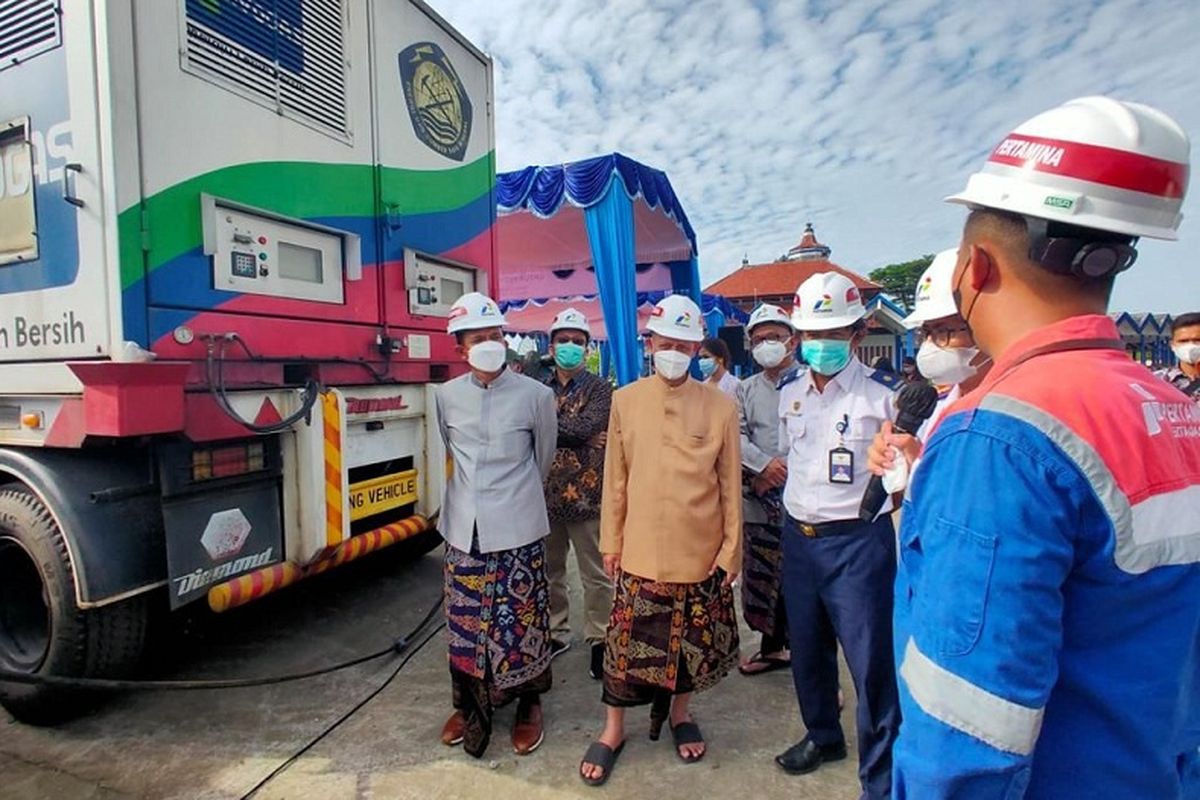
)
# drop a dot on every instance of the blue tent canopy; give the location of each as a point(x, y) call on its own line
point(609, 213)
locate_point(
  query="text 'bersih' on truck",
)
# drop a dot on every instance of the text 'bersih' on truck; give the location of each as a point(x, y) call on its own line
point(230, 234)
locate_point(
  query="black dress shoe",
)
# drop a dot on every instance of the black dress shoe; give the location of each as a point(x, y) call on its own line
point(807, 755)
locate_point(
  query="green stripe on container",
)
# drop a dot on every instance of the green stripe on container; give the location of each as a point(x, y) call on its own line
point(304, 190)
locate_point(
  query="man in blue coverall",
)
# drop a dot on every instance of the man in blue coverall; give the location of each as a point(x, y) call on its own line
point(1048, 595)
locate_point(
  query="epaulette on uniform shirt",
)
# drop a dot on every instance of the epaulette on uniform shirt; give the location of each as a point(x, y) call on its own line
point(796, 375)
point(889, 379)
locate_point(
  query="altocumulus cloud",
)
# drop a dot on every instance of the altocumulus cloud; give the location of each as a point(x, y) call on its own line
point(858, 116)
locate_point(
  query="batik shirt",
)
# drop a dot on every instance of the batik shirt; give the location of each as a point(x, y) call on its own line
point(577, 474)
point(1176, 378)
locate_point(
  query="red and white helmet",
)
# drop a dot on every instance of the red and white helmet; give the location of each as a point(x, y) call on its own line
point(825, 301)
point(1093, 162)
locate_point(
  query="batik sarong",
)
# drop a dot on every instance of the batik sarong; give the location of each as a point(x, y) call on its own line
point(668, 638)
point(762, 556)
point(498, 627)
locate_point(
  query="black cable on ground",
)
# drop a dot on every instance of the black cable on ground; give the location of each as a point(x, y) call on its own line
point(343, 718)
point(114, 685)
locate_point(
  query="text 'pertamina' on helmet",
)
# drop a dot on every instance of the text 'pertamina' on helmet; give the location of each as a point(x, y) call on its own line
point(1093, 162)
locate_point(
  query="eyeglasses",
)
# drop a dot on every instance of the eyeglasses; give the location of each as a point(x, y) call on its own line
point(941, 336)
point(755, 341)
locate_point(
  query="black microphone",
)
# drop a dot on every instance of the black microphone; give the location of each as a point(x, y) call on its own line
point(914, 405)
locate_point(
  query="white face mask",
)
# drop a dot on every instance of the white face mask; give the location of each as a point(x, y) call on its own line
point(671, 364)
point(770, 354)
point(487, 356)
point(1187, 352)
point(946, 366)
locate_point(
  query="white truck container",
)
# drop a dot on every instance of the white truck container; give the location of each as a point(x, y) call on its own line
point(230, 234)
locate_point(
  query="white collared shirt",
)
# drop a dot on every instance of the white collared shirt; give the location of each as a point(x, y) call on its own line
point(809, 425)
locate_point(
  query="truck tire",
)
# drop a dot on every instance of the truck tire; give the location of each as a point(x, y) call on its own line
point(42, 629)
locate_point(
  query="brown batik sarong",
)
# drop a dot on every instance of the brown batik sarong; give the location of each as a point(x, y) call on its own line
point(667, 639)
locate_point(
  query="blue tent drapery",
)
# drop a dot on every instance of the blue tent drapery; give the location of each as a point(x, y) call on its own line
point(584, 183)
point(610, 234)
point(592, 184)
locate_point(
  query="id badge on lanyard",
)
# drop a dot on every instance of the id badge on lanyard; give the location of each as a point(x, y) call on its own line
point(841, 459)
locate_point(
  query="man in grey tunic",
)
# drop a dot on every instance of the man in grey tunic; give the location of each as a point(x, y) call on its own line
point(764, 473)
point(500, 430)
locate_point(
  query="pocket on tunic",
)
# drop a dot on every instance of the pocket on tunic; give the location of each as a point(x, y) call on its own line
point(952, 580)
point(795, 425)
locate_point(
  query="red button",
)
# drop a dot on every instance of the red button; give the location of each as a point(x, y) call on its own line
point(262, 240)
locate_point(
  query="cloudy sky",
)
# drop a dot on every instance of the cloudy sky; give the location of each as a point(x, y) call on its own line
point(858, 115)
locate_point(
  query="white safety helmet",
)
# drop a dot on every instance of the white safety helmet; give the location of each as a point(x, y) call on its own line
point(935, 291)
point(768, 313)
point(1093, 162)
point(826, 301)
point(571, 319)
point(472, 312)
point(677, 317)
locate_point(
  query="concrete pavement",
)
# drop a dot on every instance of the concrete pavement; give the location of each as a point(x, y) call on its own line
point(220, 744)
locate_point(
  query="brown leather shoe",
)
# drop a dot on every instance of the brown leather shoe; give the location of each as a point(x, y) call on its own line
point(452, 731)
point(527, 731)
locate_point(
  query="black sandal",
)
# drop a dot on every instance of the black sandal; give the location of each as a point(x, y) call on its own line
point(600, 755)
point(688, 733)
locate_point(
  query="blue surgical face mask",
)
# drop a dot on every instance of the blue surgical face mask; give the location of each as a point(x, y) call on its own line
point(568, 355)
point(826, 356)
point(707, 366)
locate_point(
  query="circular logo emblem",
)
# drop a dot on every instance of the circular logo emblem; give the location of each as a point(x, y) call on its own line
point(437, 102)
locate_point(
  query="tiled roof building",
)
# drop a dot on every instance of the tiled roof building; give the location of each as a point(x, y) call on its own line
point(775, 282)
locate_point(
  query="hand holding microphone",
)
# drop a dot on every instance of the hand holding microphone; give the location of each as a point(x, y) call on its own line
point(914, 405)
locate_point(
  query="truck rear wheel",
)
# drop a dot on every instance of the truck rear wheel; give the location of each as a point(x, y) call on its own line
point(42, 629)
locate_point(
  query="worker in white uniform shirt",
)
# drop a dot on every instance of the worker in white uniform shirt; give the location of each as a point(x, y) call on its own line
point(838, 571)
point(948, 357)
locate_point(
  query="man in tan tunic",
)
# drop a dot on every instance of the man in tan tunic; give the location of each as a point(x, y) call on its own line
point(670, 533)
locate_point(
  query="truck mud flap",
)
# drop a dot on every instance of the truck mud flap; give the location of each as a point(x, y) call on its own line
point(214, 536)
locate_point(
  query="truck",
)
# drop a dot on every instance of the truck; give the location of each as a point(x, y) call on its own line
point(231, 232)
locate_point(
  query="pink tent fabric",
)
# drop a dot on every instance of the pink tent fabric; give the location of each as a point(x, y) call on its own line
point(543, 283)
point(534, 317)
point(532, 247)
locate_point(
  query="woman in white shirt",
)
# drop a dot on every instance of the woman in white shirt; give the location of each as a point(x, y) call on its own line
point(715, 361)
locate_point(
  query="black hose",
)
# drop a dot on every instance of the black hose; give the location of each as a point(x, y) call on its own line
point(343, 718)
point(215, 373)
point(115, 685)
point(377, 375)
